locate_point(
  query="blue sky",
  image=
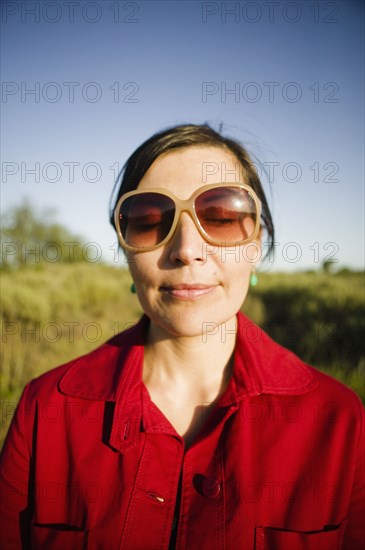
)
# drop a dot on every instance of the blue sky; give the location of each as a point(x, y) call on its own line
point(108, 74)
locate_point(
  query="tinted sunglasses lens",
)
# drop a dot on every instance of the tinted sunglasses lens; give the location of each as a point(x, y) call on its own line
point(146, 219)
point(226, 214)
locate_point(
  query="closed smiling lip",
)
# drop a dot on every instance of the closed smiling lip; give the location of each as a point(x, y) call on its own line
point(189, 291)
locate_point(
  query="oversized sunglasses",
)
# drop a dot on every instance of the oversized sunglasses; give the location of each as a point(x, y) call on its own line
point(225, 214)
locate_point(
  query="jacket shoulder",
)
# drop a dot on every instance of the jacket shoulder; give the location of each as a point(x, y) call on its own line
point(277, 370)
point(333, 391)
point(94, 375)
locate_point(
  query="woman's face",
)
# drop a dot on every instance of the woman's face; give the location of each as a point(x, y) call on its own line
point(187, 287)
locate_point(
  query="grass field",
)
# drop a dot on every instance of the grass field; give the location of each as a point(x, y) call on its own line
point(52, 313)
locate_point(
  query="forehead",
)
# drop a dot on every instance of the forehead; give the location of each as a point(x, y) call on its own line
point(185, 170)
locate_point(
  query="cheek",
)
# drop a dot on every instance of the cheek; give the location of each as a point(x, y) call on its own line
point(241, 255)
point(240, 284)
point(238, 261)
point(239, 280)
point(135, 265)
point(236, 268)
point(142, 267)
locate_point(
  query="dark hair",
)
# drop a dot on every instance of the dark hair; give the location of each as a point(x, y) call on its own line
point(178, 137)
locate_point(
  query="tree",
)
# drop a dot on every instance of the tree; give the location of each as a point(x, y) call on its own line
point(328, 265)
point(29, 237)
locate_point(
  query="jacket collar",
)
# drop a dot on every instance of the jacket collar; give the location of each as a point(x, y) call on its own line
point(113, 372)
point(261, 366)
point(105, 372)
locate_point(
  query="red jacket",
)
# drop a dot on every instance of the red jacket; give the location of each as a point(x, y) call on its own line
point(90, 462)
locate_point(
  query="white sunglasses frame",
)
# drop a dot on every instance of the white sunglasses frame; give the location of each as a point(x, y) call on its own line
point(187, 205)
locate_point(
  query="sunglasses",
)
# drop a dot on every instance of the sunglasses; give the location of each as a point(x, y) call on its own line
point(225, 215)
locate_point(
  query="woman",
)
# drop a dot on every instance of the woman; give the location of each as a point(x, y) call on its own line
point(192, 429)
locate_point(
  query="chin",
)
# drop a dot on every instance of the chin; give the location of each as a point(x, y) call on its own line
point(193, 323)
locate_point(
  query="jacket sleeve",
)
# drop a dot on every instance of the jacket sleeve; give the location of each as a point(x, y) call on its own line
point(15, 461)
point(355, 530)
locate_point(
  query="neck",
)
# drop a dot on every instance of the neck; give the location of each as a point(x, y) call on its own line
point(200, 364)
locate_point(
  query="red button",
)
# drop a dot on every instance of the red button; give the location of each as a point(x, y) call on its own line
point(211, 487)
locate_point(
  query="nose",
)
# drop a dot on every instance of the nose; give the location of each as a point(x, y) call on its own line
point(187, 244)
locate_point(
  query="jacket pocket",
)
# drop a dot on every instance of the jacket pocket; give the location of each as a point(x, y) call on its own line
point(58, 537)
point(269, 538)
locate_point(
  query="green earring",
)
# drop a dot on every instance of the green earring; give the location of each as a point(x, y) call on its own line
point(253, 278)
point(133, 289)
